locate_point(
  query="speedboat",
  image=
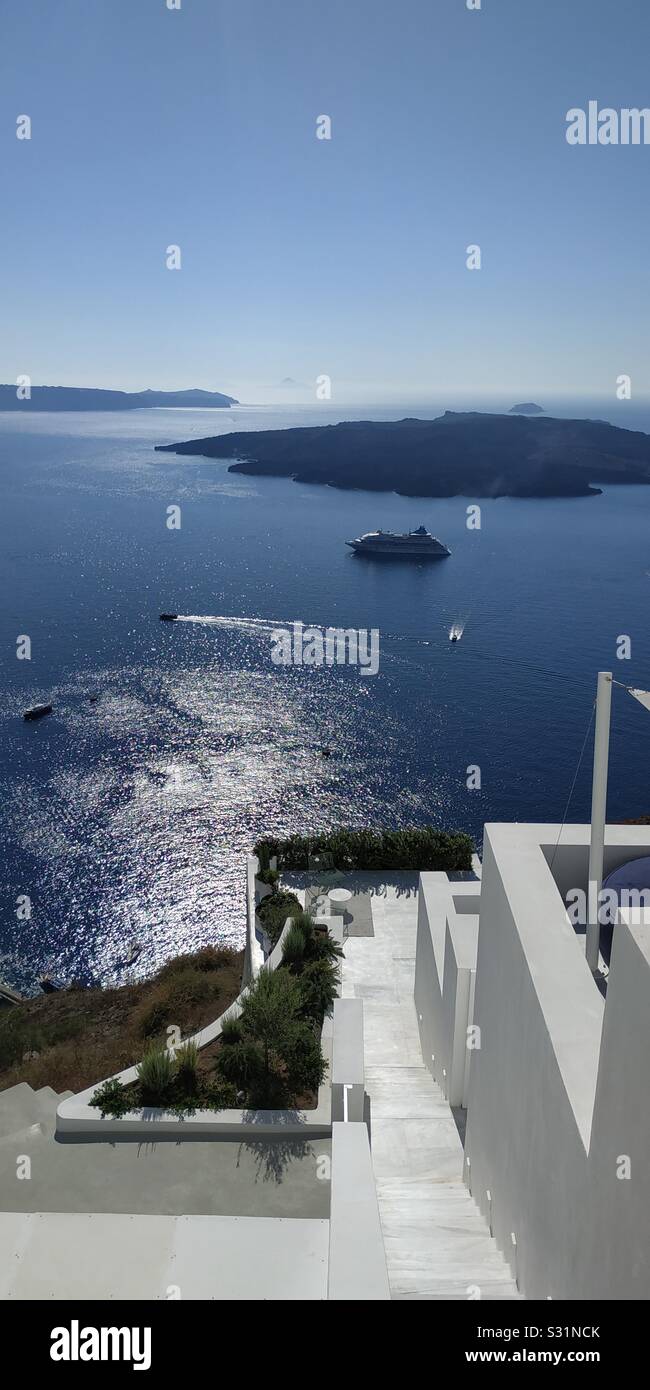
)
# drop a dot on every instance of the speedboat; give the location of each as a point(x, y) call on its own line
point(413, 545)
point(168, 617)
point(37, 711)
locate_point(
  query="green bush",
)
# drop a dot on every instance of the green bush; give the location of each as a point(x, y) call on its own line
point(293, 946)
point(187, 1063)
point(231, 1030)
point(273, 912)
point(278, 1054)
point(305, 925)
point(113, 1099)
point(421, 848)
point(269, 876)
point(304, 1061)
point(155, 1074)
point(240, 1064)
point(324, 947)
point(219, 1095)
point(319, 986)
point(264, 857)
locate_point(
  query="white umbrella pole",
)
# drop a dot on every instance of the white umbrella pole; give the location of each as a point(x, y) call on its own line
point(598, 813)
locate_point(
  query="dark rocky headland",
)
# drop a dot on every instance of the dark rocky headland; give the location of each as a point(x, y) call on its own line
point(90, 398)
point(472, 454)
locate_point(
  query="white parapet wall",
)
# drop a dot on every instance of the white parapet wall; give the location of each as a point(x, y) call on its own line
point(558, 1123)
point(254, 954)
point(348, 1079)
point(446, 949)
point(357, 1261)
point(76, 1115)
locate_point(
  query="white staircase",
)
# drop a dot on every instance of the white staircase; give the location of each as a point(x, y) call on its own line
point(21, 1108)
point(436, 1241)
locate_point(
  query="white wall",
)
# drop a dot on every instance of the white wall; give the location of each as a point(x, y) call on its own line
point(549, 1110)
point(445, 962)
point(357, 1261)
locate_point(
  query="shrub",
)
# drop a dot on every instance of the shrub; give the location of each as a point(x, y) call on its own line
point(155, 1074)
point(324, 947)
point(303, 943)
point(304, 1061)
point(273, 912)
point(264, 1062)
point(293, 947)
point(231, 1030)
point(187, 1061)
point(112, 1099)
point(319, 987)
point(240, 1064)
point(270, 1005)
point(220, 1095)
point(305, 925)
point(422, 848)
point(269, 876)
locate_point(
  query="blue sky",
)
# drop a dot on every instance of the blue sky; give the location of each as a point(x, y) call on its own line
point(301, 256)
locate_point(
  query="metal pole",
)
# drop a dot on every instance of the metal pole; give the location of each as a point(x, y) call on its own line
point(598, 813)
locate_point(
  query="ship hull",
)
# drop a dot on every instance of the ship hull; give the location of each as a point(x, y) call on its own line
point(397, 552)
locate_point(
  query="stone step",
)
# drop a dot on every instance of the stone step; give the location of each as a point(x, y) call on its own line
point(47, 1094)
point(16, 1108)
point(21, 1108)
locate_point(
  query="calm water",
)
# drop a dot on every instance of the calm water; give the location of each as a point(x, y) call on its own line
point(130, 817)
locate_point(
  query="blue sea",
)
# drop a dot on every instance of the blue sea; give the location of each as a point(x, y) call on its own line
point(128, 819)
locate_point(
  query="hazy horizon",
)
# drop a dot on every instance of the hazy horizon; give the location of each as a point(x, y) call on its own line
point(301, 256)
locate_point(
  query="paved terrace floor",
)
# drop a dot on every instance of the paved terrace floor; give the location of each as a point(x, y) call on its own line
point(437, 1244)
point(194, 1177)
point(215, 1219)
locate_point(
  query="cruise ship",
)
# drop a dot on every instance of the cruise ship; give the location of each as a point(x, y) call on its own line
point(416, 545)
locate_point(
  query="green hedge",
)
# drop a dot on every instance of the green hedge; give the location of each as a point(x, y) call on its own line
point(416, 848)
point(274, 910)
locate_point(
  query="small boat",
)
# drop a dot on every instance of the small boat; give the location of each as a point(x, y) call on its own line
point(454, 636)
point(37, 711)
point(326, 752)
point(168, 617)
point(132, 953)
point(93, 699)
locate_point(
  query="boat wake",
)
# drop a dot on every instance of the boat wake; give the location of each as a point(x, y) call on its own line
point(248, 625)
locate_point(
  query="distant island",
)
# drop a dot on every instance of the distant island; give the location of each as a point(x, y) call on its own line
point(528, 408)
point(88, 398)
point(470, 454)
